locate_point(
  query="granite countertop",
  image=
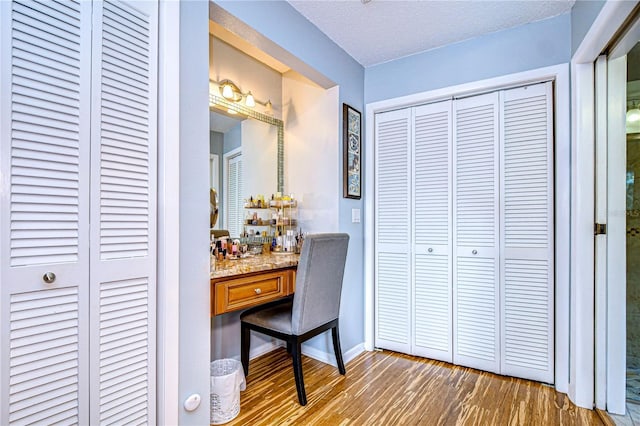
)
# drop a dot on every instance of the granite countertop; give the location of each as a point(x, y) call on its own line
point(262, 262)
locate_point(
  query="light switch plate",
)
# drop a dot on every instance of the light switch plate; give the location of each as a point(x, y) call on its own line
point(355, 215)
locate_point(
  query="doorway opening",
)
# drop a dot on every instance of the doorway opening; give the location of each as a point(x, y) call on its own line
point(633, 225)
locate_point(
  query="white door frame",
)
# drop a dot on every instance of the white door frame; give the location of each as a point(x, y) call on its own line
point(168, 304)
point(583, 339)
point(560, 75)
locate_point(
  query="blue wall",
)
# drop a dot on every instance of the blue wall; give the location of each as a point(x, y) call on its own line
point(523, 48)
point(282, 24)
point(583, 13)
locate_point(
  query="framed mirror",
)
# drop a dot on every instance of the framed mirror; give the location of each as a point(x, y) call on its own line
point(246, 158)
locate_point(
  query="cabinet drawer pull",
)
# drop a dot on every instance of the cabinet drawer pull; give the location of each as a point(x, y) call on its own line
point(258, 291)
point(474, 252)
point(430, 250)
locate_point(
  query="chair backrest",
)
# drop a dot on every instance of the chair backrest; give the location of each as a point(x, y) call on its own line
point(319, 281)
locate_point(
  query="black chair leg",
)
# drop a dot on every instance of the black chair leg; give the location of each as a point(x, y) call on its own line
point(289, 348)
point(296, 352)
point(245, 344)
point(337, 350)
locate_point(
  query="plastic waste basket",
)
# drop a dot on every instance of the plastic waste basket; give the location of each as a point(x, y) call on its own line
point(227, 380)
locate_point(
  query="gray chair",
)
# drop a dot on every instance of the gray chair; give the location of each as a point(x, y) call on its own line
point(314, 308)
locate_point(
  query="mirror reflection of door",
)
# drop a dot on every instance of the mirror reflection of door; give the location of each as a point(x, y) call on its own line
point(248, 149)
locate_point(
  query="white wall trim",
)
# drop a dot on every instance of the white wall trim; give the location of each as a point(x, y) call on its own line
point(264, 348)
point(609, 20)
point(308, 350)
point(616, 259)
point(168, 274)
point(329, 357)
point(560, 75)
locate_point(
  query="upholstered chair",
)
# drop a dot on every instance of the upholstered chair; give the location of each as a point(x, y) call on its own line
point(314, 308)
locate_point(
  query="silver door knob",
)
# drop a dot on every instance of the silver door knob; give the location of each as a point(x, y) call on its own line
point(49, 277)
point(430, 250)
point(474, 252)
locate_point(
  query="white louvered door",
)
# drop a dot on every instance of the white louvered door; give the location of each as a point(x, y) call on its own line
point(45, 97)
point(527, 233)
point(123, 214)
point(471, 266)
point(393, 225)
point(234, 201)
point(476, 327)
point(77, 139)
point(431, 195)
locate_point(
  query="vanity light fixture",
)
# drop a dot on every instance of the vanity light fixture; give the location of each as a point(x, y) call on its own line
point(250, 100)
point(231, 92)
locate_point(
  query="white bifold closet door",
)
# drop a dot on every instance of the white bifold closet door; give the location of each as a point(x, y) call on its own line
point(123, 214)
point(431, 214)
point(526, 263)
point(393, 226)
point(476, 290)
point(77, 212)
point(45, 146)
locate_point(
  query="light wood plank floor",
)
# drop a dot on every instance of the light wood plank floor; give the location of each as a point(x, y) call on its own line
point(386, 388)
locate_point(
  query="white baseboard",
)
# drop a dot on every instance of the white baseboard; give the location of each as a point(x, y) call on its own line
point(262, 349)
point(265, 348)
point(310, 351)
point(330, 358)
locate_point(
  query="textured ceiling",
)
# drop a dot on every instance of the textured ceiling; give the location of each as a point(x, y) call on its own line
point(383, 30)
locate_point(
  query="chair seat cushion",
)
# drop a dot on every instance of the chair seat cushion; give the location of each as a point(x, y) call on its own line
point(276, 318)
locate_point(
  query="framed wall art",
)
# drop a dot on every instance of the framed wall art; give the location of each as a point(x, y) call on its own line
point(352, 141)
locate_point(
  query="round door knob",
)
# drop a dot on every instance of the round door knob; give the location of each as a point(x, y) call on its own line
point(49, 277)
point(430, 250)
point(258, 291)
point(474, 252)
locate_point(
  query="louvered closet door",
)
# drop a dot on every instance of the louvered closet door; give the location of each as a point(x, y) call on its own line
point(44, 158)
point(393, 165)
point(476, 226)
point(123, 214)
point(432, 231)
point(527, 233)
point(234, 191)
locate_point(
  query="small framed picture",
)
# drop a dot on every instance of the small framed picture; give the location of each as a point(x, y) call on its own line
point(352, 141)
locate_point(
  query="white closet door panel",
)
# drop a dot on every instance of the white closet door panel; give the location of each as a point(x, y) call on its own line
point(527, 233)
point(476, 306)
point(44, 156)
point(393, 302)
point(393, 295)
point(44, 362)
point(432, 231)
point(476, 224)
point(432, 306)
point(123, 200)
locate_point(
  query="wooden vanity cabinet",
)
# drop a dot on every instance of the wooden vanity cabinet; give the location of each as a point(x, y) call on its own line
point(243, 291)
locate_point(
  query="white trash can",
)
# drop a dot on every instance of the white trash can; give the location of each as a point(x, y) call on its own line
point(227, 380)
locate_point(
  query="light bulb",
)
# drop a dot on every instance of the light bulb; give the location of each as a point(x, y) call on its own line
point(227, 91)
point(250, 101)
point(633, 115)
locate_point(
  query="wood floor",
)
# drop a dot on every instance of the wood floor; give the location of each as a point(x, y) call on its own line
point(386, 388)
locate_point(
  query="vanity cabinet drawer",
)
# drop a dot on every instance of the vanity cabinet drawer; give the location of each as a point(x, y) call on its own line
point(243, 292)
